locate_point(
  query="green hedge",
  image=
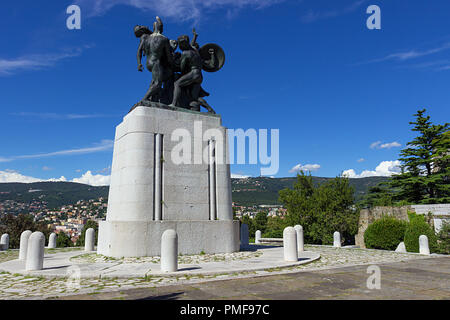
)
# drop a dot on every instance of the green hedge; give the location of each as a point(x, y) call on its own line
point(385, 233)
point(417, 226)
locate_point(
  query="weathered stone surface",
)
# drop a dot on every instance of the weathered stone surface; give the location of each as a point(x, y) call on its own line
point(258, 236)
point(300, 239)
point(4, 242)
point(169, 251)
point(52, 240)
point(423, 245)
point(244, 235)
point(336, 239)
point(290, 244)
point(401, 247)
point(89, 240)
point(24, 236)
point(35, 252)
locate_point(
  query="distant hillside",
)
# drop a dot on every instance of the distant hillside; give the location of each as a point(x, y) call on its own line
point(254, 191)
point(250, 191)
point(56, 194)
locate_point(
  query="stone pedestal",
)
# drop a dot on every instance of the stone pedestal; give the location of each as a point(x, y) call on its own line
point(169, 171)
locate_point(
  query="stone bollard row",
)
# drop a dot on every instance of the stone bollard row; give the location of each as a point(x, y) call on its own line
point(337, 239)
point(89, 240)
point(290, 244)
point(300, 240)
point(52, 241)
point(244, 235)
point(169, 251)
point(258, 236)
point(4, 242)
point(423, 245)
point(35, 252)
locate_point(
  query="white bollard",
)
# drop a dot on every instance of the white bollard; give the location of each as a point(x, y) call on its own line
point(401, 248)
point(300, 244)
point(337, 239)
point(244, 235)
point(89, 240)
point(24, 236)
point(423, 245)
point(290, 244)
point(35, 252)
point(52, 240)
point(258, 236)
point(169, 251)
point(4, 241)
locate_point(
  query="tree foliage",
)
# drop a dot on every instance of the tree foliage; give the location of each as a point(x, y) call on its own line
point(321, 209)
point(425, 164)
point(63, 240)
point(15, 225)
point(89, 224)
point(418, 226)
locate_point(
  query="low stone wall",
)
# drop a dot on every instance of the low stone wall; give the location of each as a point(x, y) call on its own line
point(439, 213)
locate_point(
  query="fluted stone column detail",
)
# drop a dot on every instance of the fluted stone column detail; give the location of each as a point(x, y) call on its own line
point(212, 180)
point(158, 177)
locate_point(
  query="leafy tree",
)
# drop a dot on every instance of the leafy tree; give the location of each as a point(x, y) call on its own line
point(418, 226)
point(89, 224)
point(15, 225)
point(385, 233)
point(425, 171)
point(63, 240)
point(321, 209)
point(444, 238)
point(260, 221)
point(274, 228)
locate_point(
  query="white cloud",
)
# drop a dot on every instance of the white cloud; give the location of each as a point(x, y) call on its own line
point(14, 176)
point(56, 116)
point(87, 178)
point(238, 176)
point(361, 160)
point(312, 16)
point(181, 10)
point(93, 179)
point(36, 61)
point(101, 146)
point(307, 167)
point(379, 145)
point(384, 169)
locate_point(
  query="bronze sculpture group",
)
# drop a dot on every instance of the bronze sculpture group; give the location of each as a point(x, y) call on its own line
point(176, 76)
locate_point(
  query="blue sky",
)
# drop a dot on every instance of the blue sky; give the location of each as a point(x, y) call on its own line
point(340, 94)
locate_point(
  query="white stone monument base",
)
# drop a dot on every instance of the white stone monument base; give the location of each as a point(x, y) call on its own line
point(143, 238)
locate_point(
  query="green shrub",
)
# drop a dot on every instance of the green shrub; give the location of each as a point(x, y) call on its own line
point(444, 239)
point(385, 233)
point(416, 227)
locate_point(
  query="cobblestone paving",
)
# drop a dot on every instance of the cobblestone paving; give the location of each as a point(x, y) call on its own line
point(16, 286)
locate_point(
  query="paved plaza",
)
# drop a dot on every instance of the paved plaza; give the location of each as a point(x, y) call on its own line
point(339, 273)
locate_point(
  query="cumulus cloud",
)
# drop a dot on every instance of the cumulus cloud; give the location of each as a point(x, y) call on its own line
point(93, 179)
point(87, 178)
point(14, 176)
point(307, 167)
point(384, 169)
point(379, 145)
point(181, 10)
